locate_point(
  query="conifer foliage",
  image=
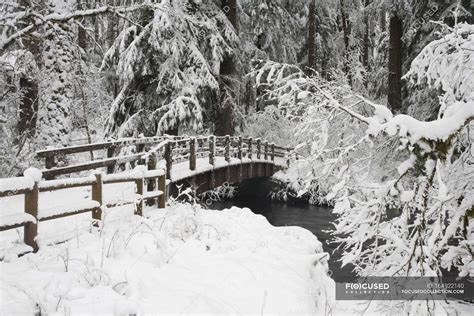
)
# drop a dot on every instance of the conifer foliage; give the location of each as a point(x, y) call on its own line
point(168, 65)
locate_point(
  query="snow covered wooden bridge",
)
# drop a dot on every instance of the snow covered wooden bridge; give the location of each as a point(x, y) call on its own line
point(155, 166)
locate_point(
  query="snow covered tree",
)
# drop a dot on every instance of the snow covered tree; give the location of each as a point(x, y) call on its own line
point(168, 67)
point(402, 187)
point(274, 30)
point(58, 52)
point(229, 82)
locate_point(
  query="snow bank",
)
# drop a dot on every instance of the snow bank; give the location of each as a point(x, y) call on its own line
point(181, 260)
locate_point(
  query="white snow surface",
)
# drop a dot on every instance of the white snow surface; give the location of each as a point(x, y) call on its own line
point(34, 174)
point(180, 260)
point(455, 117)
point(67, 208)
point(14, 219)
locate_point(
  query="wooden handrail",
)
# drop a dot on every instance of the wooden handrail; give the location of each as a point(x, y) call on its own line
point(98, 146)
point(33, 215)
point(168, 147)
point(189, 148)
point(57, 171)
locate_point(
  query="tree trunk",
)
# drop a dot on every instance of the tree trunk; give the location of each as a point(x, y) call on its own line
point(383, 21)
point(29, 84)
point(81, 30)
point(112, 24)
point(366, 47)
point(28, 106)
point(311, 67)
point(395, 61)
point(324, 62)
point(346, 31)
point(224, 113)
point(57, 88)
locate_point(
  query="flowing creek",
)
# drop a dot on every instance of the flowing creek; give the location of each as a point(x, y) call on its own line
point(254, 194)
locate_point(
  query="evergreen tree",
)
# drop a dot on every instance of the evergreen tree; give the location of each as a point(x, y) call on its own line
point(168, 67)
point(228, 80)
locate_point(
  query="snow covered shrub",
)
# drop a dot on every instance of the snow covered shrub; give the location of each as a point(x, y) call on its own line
point(225, 191)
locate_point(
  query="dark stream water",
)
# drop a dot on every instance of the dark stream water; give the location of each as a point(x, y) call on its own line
point(317, 219)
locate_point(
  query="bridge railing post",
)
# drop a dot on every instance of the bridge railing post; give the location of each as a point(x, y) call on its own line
point(192, 153)
point(227, 148)
point(239, 148)
point(259, 148)
point(212, 149)
point(140, 187)
point(140, 148)
point(152, 183)
point(168, 159)
point(273, 151)
point(31, 207)
point(110, 154)
point(162, 187)
point(97, 195)
point(49, 163)
point(250, 142)
point(266, 151)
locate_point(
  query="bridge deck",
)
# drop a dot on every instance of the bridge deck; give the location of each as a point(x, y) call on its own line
point(181, 170)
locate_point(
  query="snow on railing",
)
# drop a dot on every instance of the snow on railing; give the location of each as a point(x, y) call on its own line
point(170, 149)
point(31, 185)
point(150, 181)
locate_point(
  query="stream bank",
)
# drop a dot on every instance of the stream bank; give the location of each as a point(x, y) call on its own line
point(254, 194)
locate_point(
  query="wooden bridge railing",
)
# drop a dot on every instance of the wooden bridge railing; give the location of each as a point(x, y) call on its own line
point(168, 148)
point(32, 187)
point(157, 153)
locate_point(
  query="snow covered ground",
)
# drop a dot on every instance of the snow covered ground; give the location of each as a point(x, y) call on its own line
point(181, 260)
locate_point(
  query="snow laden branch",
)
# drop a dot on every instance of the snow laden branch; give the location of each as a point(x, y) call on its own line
point(168, 69)
point(403, 188)
point(36, 20)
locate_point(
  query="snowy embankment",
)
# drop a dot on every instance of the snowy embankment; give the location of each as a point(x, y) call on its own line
point(184, 259)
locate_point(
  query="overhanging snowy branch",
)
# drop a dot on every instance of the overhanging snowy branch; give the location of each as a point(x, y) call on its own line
point(40, 20)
